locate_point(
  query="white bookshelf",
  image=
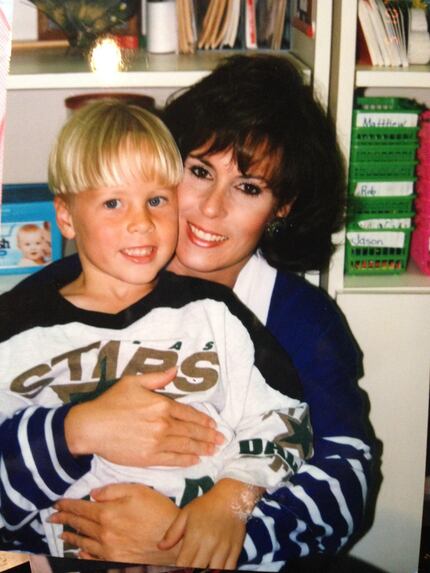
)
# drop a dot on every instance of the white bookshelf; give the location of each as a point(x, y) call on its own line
point(345, 79)
point(414, 76)
point(53, 68)
point(390, 317)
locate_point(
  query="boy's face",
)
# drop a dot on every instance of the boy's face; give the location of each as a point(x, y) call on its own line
point(124, 235)
point(31, 244)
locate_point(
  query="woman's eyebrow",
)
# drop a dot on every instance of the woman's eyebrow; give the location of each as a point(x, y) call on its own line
point(204, 159)
point(260, 178)
point(252, 176)
point(201, 158)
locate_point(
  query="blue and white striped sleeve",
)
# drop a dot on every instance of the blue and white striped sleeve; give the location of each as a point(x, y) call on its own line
point(317, 512)
point(36, 467)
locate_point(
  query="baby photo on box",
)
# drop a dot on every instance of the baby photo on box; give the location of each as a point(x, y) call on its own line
point(25, 244)
point(29, 236)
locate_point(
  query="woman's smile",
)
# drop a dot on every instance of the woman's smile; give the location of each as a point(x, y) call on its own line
point(215, 194)
point(204, 238)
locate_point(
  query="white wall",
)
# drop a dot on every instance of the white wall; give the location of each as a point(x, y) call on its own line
point(394, 334)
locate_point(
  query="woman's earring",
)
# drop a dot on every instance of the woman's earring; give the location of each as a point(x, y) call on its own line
point(275, 226)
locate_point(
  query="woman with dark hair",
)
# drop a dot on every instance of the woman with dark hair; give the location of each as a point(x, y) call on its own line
point(260, 109)
point(262, 194)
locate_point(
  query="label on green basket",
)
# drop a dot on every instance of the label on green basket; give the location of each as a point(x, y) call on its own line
point(400, 223)
point(383, 188)
point(389, 119)
point(374, 239)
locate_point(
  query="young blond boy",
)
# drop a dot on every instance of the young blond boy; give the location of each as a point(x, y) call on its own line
point(114, 171)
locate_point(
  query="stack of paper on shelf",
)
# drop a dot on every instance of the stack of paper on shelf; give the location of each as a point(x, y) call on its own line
point(383, 27)
point(187, 33)
point(218, 24)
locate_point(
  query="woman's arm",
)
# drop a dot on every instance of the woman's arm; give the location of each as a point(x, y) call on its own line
point(323, 507)
point(36, 465)
point(44, 450)
point(318, 512)
point(130, 425)
point(112, 528)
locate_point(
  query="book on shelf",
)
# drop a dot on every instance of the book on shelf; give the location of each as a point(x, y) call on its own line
point(383, 33)
point(222, 24)
point(304, 17)
point(187, 32)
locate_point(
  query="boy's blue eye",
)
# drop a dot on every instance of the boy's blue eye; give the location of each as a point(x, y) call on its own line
point(112, 204)
point(155, 201)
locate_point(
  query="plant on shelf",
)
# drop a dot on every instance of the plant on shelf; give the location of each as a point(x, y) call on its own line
point(84, 21)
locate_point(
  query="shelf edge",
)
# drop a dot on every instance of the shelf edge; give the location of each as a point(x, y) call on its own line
point(392, 78)
point(89, 80)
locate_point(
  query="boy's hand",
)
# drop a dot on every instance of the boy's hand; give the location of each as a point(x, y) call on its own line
point(213, 526)
point(129, 424)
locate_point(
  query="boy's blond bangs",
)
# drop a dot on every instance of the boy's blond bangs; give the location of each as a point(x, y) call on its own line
point(107, 143)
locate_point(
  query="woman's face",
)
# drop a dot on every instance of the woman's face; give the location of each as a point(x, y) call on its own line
point(222, 215)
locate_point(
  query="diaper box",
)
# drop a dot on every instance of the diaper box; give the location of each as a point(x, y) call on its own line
point(29, 238)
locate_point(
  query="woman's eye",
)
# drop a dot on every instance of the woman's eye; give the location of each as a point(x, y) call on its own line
point(112, 204)
point(199, 171)
point(250, 189)
point(156, 201)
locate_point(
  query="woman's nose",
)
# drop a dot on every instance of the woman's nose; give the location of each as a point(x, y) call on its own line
point(213, 202)
point(140, 222)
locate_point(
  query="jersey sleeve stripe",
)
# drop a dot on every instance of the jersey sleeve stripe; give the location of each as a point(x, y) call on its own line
point(52, 450)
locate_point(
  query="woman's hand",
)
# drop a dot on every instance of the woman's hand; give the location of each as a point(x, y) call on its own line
point(213, 527)
point(129, 424)
point(125, 523)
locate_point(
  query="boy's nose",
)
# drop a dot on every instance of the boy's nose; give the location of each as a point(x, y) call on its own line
point(140, 222)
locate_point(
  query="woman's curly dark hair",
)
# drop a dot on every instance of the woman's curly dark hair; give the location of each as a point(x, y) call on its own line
point(258, 104)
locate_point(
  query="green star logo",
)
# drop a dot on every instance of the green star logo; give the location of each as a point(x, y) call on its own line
point(103, 384)
point(298, 436)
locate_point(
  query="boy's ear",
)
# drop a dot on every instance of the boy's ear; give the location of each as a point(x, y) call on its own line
point(64, 218)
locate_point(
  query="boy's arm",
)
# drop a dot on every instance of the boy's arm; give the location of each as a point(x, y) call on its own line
point(272, 439)
point(252, 464)
point(268, 447)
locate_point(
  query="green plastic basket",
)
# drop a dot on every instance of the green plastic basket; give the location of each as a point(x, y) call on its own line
point(369, 252)
point(382, 152)
point(385, 112)
point(381, 187)
point(380, 103)
point(363, 170)
point(357, 206)
point(373, 221)
point(384, 135)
